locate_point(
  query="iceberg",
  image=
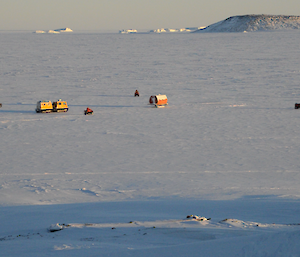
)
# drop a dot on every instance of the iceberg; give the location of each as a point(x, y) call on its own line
point(128, 31)
point(170, 30)
point(53, 31)
point(64, 30)
point(40, 31)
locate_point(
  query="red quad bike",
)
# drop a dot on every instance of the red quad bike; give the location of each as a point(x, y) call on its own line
point(88, 111)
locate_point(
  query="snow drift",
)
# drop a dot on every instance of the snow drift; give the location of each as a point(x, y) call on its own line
point(248, 23)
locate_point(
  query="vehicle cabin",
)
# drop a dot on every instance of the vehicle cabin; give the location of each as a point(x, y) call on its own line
point(60, 106)
point(158, 100)
point(44, 106)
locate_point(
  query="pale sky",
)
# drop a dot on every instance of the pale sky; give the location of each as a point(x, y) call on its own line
point(131, 14)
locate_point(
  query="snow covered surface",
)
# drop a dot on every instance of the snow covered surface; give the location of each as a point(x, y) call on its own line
point(123, 181)
point(248, 23)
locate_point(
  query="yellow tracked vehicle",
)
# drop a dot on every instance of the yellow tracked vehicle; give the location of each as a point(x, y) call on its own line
point(44, 106)
point(60, 106)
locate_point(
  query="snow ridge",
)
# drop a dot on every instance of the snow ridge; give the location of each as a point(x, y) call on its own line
point(249, 23)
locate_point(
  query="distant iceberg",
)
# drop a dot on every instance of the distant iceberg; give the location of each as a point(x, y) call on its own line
point(167, 30)
point(127, 31)
point(248, 23)
point(40, 31)
point(64, 30)
point(55, 31)
point(161, 30)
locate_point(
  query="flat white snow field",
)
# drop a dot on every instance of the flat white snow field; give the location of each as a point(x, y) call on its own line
point(122, 182)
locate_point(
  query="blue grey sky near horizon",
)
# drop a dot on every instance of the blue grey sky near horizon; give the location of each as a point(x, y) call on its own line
point(131, 14)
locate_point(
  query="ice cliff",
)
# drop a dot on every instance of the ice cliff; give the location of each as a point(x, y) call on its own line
point(248, 23)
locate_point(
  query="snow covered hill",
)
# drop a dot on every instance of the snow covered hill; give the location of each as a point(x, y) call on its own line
point(247, 23)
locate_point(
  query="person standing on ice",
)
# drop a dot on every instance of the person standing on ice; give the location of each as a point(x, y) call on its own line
point(136, 93)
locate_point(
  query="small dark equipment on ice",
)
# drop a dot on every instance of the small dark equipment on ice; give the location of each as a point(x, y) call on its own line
point(88, 111)
point(297, 106)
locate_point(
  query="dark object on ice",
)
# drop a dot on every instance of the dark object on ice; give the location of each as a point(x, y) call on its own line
point(55, 228)
point(297, 106)
point(0, 105)
point(88, 111)
point(136, 93)
point(198, 218)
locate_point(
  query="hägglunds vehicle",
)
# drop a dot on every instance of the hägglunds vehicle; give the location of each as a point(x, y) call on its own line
point(60, 106)
point(44, 106)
